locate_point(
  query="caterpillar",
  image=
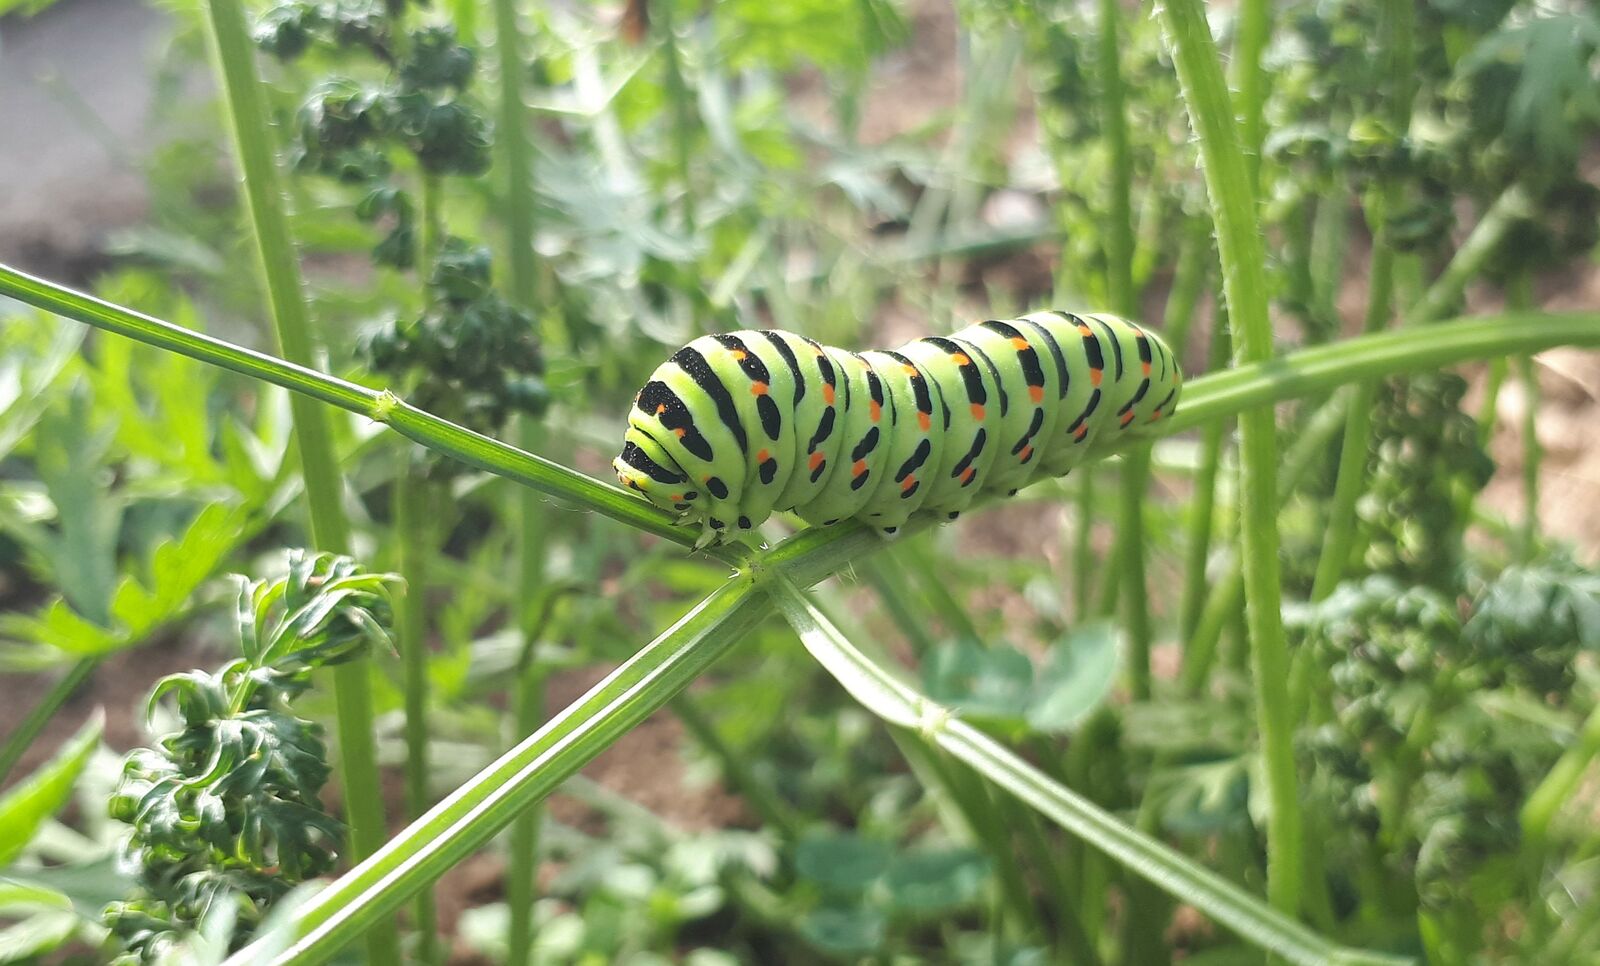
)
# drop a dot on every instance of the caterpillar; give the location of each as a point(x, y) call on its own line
point(735, 427)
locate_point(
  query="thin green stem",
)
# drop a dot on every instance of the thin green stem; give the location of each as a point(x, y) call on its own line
point(1397, 53)
point(1083, 544)
point(1519, 297)
point(416, 539)
point(682, 109)
point(1130, 552)
point(1352, 472)
point(1532, 454)
point(1239, 245)
point(18, 742)
point(1562, 781)
point(234, 61)
point(1482, 246)
point(1203, 511)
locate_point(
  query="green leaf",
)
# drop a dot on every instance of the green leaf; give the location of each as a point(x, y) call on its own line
point(69, 456)
point(1077, 678)
point(933, 880)
point(998, 685)
point(841, 863)
point(39, 796)
point(845, 930)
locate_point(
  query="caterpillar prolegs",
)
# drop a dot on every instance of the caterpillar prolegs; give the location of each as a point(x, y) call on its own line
point(735, 427)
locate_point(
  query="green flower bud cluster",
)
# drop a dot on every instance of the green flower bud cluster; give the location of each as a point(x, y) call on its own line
point(471, 356)
point(227, 809)
point(347, 128)
point(1426, 465)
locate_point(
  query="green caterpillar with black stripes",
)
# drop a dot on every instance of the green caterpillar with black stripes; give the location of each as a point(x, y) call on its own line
point(738, 426)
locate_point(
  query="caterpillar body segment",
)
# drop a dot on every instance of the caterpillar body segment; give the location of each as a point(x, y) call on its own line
point(734, 427)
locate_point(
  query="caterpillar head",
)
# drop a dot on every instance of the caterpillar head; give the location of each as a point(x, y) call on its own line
point(645, 468)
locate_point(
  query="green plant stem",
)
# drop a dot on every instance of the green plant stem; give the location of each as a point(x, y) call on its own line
point(882, 693)
point(523, 291)
point(1214, 396)
point(234, 61)
point(682, 110)
point(1254, 28)
point(1532, 454)
point(1130, 553)
point(1482, 245)
point(523, 867)
point(1083, 544)
point(1203, 512)
point(1519, 297)
point(416, 540)
point(1562, 781)
point(1222, 604)
point(1352, 472)
point(1398, 55)
point(1239, 246)
point(1499, 369)
point(17, 743)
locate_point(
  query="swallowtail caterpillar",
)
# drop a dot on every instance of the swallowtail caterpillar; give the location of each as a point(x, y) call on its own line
point(736, 427)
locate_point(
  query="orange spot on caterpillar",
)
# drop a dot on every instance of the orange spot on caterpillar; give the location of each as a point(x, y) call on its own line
point(874, 410)
point(858, 468)
point(1036, 393)
point(924, 421)
point(738, 354)
point(1020, 344)
point(758, 388)
point(1085, 330)
point(977, 411)
point(816, 461)
point(827, 394)
point(1155, 416)
point(966, 475)
point(682, 432)
point(1146, 367)
point(763, 456)
point(1094, 376)
point(910, 481)
point(1081, 433)
point(676, 498)
point(660, 408)
point(1027, 451)
point(960, 359)
point(1127, 418)
point(912, 371)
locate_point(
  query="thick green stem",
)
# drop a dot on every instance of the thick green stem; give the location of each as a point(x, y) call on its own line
point(1243, 259)
point(234, 60)
point(416, 540)
point(1250, 78)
